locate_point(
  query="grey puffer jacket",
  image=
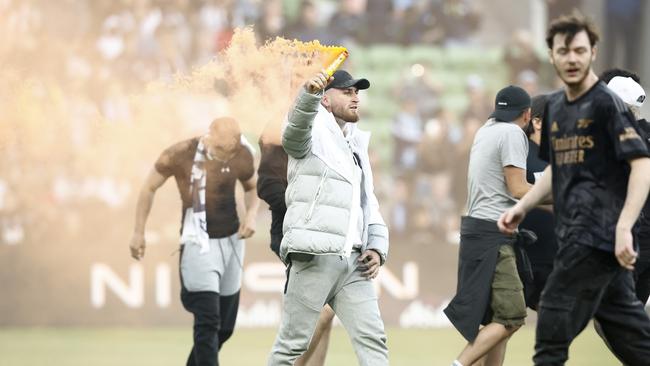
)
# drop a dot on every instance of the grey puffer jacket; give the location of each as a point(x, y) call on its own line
point(319, 218)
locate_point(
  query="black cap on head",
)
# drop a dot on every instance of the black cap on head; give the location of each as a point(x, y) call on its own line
point(510, 102)
point(343, 80)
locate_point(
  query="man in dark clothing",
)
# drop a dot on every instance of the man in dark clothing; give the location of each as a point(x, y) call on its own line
point(627, 87)
point(271, 185)
point(599, 182)
point(540, 219)
point(206, 170)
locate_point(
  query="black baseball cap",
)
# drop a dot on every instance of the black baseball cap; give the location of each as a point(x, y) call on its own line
point(343, 79)
point(509, 103)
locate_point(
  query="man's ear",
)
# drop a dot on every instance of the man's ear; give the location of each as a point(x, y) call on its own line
point(325, 101)
point(550, 56)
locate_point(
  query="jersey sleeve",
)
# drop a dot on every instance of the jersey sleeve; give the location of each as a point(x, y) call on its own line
point(624, 131)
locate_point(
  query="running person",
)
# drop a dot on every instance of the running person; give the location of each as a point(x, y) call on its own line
point(598, 174)
point(206, 170)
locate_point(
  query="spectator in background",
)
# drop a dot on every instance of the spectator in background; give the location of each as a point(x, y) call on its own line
point(433, 147)
point(407, 134)
point(271, 21)
point(528, 80)
point(348, 24)
point(111, 43)
point(559, 7)
point(307, 27)
point(434, 181)
point(479, 104)
point(381, 21)
point(420, 23)
point(519, 54)
point(459, 20)
point(623, 29)
point(420, 87)
point(399, 213)
point(461, 159)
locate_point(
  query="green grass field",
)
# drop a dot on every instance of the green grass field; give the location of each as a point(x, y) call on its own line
point(169, 346)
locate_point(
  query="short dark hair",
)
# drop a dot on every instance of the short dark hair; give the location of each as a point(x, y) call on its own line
point(609, 74)
point(571, 25)
point(538, 105)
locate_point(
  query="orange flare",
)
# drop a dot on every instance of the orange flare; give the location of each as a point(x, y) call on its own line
point(334, 65)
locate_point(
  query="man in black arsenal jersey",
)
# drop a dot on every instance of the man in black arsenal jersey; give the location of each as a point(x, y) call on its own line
point(206, 170)
point(599, 182)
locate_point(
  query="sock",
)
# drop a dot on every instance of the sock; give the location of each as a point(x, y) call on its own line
point(456, 363)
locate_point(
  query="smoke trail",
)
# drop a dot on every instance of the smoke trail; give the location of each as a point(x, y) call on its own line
point(60, 144)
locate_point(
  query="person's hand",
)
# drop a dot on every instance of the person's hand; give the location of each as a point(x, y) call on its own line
point(247, 227)
point(509, 220)
point(624, 250)
point(318, 82)
point(371, 262)
point(137, 246)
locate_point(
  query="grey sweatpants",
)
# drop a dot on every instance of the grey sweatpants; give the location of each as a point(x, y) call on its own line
point(329, 279)
point(219, 270)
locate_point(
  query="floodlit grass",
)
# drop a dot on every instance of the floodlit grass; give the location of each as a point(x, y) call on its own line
point(169, 346)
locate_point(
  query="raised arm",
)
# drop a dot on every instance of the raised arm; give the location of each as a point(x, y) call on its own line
point(296, 138)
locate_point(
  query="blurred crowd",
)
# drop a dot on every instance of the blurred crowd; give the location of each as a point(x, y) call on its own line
point(144, 40)
point(100, 53)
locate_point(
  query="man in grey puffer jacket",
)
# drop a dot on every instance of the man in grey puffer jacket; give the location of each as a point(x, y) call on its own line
point(335, 239)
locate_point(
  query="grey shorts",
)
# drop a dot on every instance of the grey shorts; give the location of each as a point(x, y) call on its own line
point(219, 270)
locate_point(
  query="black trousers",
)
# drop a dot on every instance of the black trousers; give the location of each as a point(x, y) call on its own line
point(541, 272)
point(214, 323)
point(589, 283)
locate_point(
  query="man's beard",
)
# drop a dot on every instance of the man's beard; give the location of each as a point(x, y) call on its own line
point(346, 115)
